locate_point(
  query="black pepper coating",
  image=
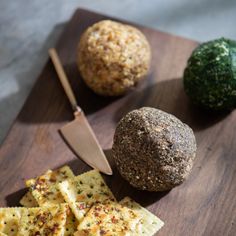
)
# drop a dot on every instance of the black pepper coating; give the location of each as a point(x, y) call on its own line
point(153, 150)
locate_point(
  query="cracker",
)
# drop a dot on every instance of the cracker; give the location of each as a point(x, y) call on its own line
point(9, 220)
point(45, 188)
point(28, 200)
point(83, 191)
point(54, 197)
point(71, 224)
point(149, 223)
point(42, 221)
point(109, 218)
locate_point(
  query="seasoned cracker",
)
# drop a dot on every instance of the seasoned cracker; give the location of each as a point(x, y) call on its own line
point(71, 224)
point(149, 224)
point(83, 191)
point(2, 234)
point(43, 221)
point(9, 220)
point(28, 200)
point(45, 188)
point(109, 218)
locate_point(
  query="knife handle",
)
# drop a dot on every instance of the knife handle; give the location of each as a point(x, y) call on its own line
point(63, 78)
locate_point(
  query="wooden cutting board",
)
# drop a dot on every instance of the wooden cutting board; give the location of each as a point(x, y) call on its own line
point(204, 205)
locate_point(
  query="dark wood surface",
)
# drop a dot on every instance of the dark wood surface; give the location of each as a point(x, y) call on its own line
point(204, 205)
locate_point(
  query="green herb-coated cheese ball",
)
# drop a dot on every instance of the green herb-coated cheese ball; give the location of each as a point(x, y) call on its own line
point(210, 75)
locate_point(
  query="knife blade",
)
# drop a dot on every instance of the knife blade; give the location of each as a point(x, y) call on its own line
point(80, 137)
point(78, 133)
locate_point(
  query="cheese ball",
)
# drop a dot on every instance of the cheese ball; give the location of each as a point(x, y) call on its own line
point(153, 150)
point(112, 57)
point(210, 76)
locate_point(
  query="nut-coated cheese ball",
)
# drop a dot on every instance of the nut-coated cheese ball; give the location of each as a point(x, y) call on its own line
point(113, 57)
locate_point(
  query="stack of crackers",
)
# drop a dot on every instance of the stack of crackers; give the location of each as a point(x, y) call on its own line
point(59, 203)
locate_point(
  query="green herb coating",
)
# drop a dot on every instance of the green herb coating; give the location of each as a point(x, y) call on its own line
point(210, 75)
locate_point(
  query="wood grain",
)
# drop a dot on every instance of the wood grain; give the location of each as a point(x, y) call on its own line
point(204, 205)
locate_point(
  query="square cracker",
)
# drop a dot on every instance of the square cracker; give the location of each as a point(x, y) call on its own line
point(9, 220)
point(149, 224)
point(83, 191)
point(28, 200)
point(43, 221)
point(109, 218)
point(52, 178)
point(44, 188)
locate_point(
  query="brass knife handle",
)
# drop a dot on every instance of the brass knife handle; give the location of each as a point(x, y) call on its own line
point(63, 78)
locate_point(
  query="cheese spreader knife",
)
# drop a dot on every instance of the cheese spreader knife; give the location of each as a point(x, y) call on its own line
point(78, 133)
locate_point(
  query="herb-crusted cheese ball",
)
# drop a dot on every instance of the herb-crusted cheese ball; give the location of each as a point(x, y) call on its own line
point(153, 150)
point(210, 76)
point(113, 57)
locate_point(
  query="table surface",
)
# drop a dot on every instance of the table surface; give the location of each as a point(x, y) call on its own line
point(29, 28)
